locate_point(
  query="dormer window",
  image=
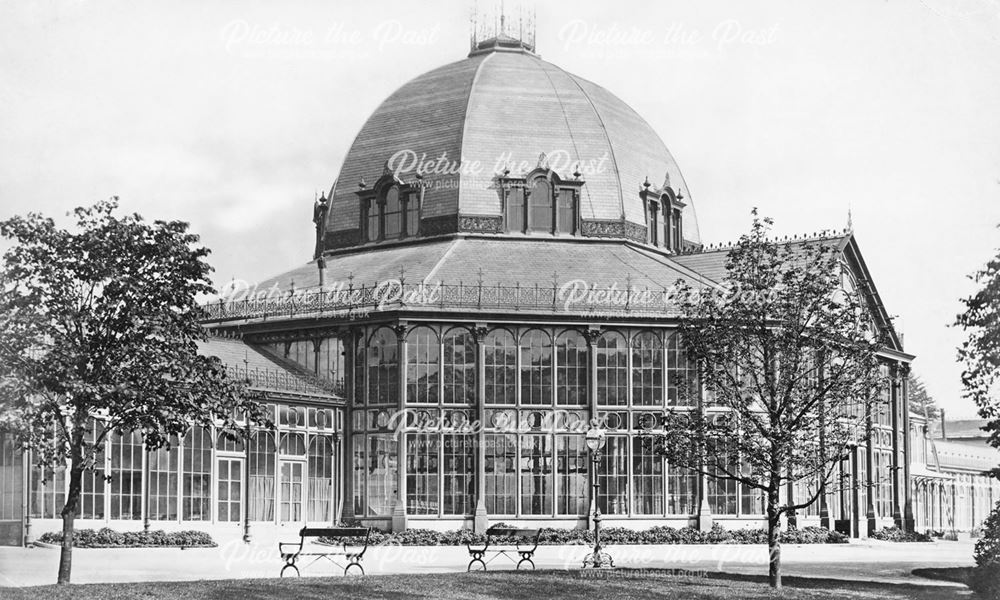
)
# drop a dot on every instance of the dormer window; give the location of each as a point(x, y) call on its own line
point(663, 210)
point(390, 211)
point(541, 203)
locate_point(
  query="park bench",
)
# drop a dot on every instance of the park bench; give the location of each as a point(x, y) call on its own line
point(354, 542)
point(507, 542)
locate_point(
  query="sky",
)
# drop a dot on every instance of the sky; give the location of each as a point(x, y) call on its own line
point(232, 115)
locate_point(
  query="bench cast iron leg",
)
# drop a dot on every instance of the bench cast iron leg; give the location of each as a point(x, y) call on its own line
point(526, 557)
point(354, 563)
point(290, 565)
point(477, 557)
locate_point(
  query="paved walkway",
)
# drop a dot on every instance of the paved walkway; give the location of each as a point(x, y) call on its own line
point(860, 560)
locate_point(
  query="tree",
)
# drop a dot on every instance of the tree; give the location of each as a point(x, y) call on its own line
point(920, 401)
point(788, 363)
point(980, 357)
point(101, 326)
point(980, 353)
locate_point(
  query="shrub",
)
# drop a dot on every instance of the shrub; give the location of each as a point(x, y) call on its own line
point(660, 534)
point(895, 534)
point(812, 535)
point(109, 538)
point(985, 578)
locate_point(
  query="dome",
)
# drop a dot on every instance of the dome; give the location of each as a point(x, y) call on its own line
point(504, 110)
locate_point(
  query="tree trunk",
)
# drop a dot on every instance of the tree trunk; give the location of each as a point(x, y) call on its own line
point(773, 542)
point(69, 513)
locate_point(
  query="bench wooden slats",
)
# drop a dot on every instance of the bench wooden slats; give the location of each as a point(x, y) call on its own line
point(498, 544)
point(353, 552)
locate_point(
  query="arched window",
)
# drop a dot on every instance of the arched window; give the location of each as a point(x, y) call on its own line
point(228, 444)
point(393, 214)
point(647, 370)
point(422, 366)
point(501, 367)
point(260, 488)
point(571, 369)
point(540, 206)
point(536, 368)
point(320, 508)
point(126, 476)
point(197, 475)
point(383, 365)
point(459, 367)
point(292, 444)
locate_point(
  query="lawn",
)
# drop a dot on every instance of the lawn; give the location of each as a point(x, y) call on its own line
point(513, 585)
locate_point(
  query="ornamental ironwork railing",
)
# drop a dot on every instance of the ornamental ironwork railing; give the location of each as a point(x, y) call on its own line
point(575, 297)
point(278, 380)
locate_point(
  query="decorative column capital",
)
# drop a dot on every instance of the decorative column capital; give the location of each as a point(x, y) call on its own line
point(400, 331)
point(592, 335)
point(479, 333)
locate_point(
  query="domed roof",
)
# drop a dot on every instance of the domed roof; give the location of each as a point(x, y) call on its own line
point(505, 109)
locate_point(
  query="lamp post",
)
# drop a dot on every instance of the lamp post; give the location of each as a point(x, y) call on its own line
point(598, 559)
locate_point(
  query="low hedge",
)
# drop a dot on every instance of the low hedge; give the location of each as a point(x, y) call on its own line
point(895, 534)
point(109, 538)
point(610, 535)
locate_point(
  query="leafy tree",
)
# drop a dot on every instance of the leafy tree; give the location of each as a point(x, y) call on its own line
point(101, 326)
point(790, 359)
point(980, 357)
point(980, 353)
point(920, 401)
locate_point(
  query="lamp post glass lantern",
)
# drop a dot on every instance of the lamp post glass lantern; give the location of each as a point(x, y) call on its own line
point(598, 559)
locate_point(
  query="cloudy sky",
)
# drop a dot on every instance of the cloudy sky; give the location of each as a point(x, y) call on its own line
point(231, 115)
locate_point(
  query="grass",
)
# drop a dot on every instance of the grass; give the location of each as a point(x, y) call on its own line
point(513, 585)
point(954, 574)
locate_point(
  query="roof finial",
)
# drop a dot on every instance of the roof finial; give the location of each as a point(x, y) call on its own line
point(491, 31)
point(850, 221)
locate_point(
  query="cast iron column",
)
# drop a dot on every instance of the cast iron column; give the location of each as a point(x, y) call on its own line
point(399, 507)
point(897, 517)
point(481, 519)
point(907, 456)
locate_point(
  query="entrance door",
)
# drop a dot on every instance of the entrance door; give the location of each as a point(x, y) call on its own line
point(230, 490)
point(291, 491)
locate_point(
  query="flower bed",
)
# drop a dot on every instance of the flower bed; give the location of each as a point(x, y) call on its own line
point(613, 536)
point(109, 538)
point(895, 534)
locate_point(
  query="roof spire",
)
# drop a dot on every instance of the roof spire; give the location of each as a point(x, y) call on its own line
point(492, 31)
point(850, 221)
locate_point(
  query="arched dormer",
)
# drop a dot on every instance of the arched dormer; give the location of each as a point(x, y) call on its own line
point(664, 212)
point(540, 202)
point(390, 209)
